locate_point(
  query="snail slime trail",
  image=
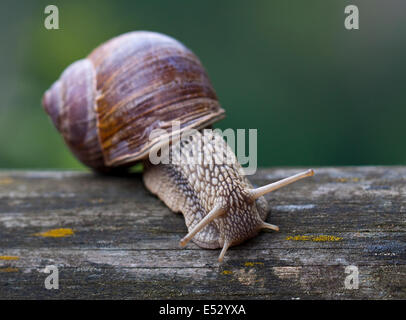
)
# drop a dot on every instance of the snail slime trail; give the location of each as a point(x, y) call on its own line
point(106, 105)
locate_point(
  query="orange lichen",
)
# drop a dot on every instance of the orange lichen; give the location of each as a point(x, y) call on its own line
point(227, 272)
point(56, 233)
point(347, 179)
point(251, 264)
point(319, 238)
point(6, 180)
point(9, 258)
point(100, 200)
point(326, 238)
point(9, 269)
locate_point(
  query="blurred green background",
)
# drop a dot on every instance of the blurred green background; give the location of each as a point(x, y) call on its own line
point(318, 94)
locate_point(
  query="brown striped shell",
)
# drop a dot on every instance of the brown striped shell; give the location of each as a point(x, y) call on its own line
point(107, 104)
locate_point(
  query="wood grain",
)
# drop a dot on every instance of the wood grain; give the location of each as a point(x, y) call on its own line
point(125, 242)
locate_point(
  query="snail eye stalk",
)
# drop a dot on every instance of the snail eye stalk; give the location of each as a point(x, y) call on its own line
point(213, 214)
point(269, 226)
point(256, 193)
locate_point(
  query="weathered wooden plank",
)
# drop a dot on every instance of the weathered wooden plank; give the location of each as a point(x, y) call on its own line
point(124, 241)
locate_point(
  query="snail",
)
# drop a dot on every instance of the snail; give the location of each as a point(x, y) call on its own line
point(107, 105)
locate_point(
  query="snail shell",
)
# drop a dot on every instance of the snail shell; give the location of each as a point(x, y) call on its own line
point(106, 105)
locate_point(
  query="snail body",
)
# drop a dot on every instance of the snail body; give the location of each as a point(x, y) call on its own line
point(107, 105)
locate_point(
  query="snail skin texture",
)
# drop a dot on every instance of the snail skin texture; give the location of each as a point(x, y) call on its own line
point(107, 105)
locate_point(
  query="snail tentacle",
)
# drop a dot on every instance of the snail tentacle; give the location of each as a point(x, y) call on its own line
point(258, 192)
point(217, 211)
point(226, 245)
